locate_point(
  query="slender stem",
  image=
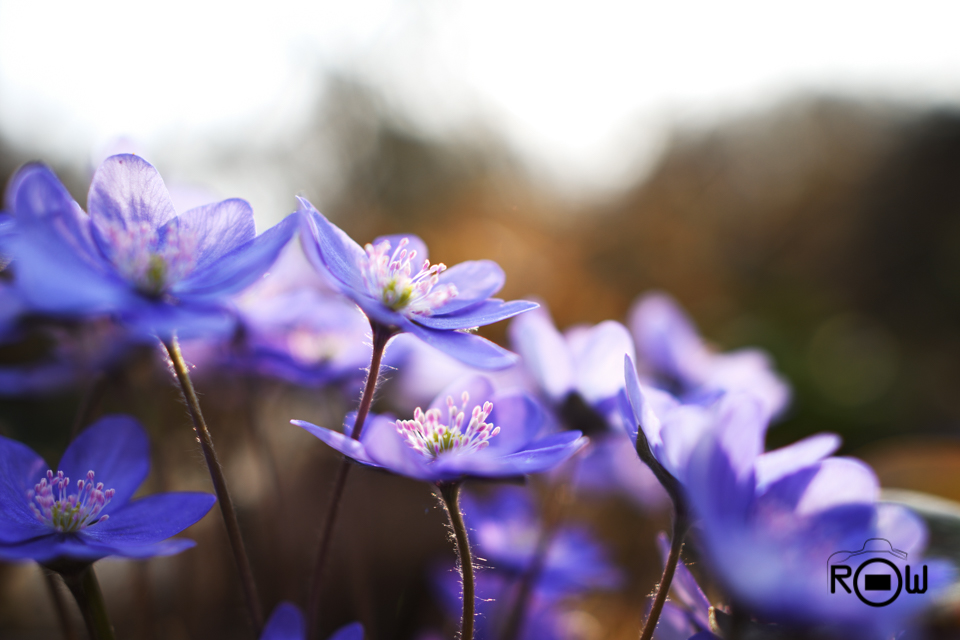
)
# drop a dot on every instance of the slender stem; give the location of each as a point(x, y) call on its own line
point(88, 403)
point(59, 604)
point(381, 336)
point(86, 590)
point(219, 486)
point(680, 528)
point(450, 492)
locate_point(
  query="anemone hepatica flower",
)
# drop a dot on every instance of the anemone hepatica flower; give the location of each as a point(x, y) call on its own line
point(286, 623)
point(672, 355)
point(788, 520)
point(468, 431)
point(395, 285)
point(82, 511)
point(583, 361)
point(506, 531)
point(133, 256)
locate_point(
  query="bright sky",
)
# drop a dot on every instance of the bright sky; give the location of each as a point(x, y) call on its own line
point(582, 89)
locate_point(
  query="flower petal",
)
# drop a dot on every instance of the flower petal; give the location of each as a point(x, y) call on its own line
point(285, 623)
point(151, 519)
point(542, 455)
point(479, 315)
point(597, 355)
point(346, 445)
point(468, 348)
point(218, 228)
point(238, 269)
point(352, 631)
point(476, 280)
point(773, 465)
point(127, 190)
point(389, 449)
point(544, 352)
point(329, 247)
point(20, 470)
point(117, 450)
point(519, 417)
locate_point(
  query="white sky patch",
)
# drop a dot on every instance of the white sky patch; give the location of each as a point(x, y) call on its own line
point(583, 89)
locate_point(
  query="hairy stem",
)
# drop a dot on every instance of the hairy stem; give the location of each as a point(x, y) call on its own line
point(86, 590)
point(219, 486)
point(680, 528)
point(381, 336)
point(450, 492)
point(59, 605)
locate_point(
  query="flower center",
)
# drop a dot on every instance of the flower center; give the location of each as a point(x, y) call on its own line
point(152, 259)
point(389, 277)
point(429, 436)
point(53, 504)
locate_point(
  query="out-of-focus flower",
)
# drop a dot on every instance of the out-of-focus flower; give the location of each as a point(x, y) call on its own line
point(486, 435)
point(294, 326)
point(672, 355)
point(286, 623)
point(506, 531)
point(133, 256)
point(395, 285)
point(83, 511)
point(585, 361)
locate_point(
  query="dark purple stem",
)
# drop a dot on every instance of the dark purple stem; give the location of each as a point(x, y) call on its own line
point(381, 336)
point(219, 486)
point(60, 605)
point(450, 492)
point(680, 528)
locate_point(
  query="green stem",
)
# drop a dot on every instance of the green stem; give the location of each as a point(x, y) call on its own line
point(680, 528)
point(219, 486)
point(86, 590)
point(450, 492)
point(59, 605)
point(381, 336)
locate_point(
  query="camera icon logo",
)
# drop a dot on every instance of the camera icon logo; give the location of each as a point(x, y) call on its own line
point(877, 580)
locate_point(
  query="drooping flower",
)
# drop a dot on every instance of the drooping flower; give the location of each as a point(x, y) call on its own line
point(395, 285)
point(468, 431)
point(133, 256)
point(82, 511)
point(286, 623)
point(672, 355)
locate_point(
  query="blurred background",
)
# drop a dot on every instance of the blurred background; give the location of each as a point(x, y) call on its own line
point(790, 172)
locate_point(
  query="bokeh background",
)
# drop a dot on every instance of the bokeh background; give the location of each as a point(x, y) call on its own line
point(790, 172)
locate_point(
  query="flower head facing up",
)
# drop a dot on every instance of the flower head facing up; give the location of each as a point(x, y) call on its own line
point(499, 441)
point(428, 435)
point(436, 304)
point(47, 517)
point(389, 276)
point(56, 506)
point(133, 256)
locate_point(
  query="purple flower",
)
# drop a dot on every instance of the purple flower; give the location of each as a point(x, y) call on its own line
point(786, 515)
point(133, 256)
point(480, 434)
point(294, 326)
point(395, 285)
point(82, 512)
point(673, 356)
point(507, 531)
point(584, 360)
point(286, 623)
